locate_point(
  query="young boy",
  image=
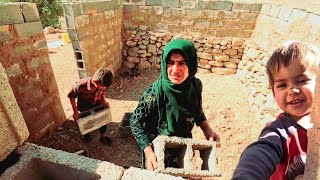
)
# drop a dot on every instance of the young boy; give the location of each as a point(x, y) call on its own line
point(90, 92)
point(280, 151)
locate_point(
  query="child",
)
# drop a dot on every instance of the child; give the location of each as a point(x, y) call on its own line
point(280, 152)
point(90, 92)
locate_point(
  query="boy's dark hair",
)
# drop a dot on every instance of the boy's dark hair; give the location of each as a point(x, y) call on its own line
point(306, 53)
point(103, 76)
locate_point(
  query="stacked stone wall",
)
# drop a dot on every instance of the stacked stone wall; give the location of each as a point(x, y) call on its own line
point(218, 29)
point(24, 56)
point(95, 30)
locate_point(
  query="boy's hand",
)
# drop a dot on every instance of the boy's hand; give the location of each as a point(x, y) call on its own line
point(151, 159)
point(76, 116)
point(106, 104)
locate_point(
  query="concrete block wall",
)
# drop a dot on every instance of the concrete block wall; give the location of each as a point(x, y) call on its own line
point(13, 129)
point(188, 164)
point(95, 30)
point(24, 56)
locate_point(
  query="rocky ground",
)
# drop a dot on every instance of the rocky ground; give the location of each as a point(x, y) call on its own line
point(224, 103)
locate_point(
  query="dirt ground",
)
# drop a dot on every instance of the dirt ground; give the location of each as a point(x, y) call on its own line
point(224, 103)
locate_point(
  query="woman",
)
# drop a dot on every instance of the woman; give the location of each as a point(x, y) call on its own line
point(172, 104)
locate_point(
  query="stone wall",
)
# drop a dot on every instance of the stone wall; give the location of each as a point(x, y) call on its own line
point(218, 29)
point(95, 30)
point(24, 56)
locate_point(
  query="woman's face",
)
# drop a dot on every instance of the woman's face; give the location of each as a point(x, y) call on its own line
point(177, 68)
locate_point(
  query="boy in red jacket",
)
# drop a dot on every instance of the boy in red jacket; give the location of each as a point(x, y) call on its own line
point(280, 151)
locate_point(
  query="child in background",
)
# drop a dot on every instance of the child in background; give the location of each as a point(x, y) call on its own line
point(91, 92)
point(280, 151)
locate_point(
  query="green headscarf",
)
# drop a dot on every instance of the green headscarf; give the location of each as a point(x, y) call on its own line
point(177, 102)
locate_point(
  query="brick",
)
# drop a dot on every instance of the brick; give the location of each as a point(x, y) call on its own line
point(187, 4)
point(265, 9)
point(222, 5)
point(114, 4)
point(102, 6)
point(72, 9)
point(186, 148)
point(30, 12)
point(154, 2)
point(33, 64)
point(81, 21)
point(313, 19)
point(193, 13)
point(297, 15)
point(249, 16)
point(274, 11)
point(10, 14)
point(170, 3)
point(41, 44)
point(27, 30)
point(21, 51)
point(256, 8)
point(5, 34)
point(285, 13)
point(242, 7)
point(13, 70)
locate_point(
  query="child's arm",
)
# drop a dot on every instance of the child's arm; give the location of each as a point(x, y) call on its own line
point(259, 160)
point(76, 113)
point(104, 99)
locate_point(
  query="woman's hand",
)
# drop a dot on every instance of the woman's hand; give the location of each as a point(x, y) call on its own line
point(151, 159)
point(209, 133)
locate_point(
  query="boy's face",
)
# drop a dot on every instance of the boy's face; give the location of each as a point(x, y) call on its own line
point(294, 89)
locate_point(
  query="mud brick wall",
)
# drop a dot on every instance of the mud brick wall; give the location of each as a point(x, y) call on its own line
point(24, 56)
point(95, 30)
point(218, 29)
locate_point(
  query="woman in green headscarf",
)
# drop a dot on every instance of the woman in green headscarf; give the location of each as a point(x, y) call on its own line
point(172, 104)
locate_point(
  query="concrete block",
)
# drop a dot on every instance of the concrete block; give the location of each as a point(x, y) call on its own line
point(102, 6)
point(265, 9)
point(241, 7)
point(70, 22)
point(154, 2)
point(142, 174)
point(27, 30)
point(41, 44)
point(72, 9)
point(81, 21)
point(170, 3)
point(10, 14)
point(285, 13)
point(186, 148)
point(256, 8)
point(30, 12)
point(58, 164)
point(124, 126)
point(93, 119)
point(114, 4)
point(222, 5)
point(5, 34)
point(313, 19)
point(73, 35)
point(88, 8)
point(297, 15)
point(13, 130)
point(19, 51)
point(274, 11)
point(82, 73)
point(193, 13)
